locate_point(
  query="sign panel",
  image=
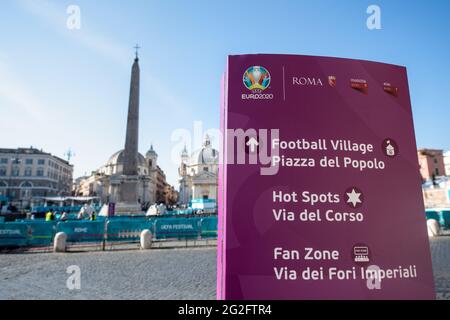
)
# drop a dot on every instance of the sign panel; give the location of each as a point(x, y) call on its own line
point(111, 209)
point(319, 194)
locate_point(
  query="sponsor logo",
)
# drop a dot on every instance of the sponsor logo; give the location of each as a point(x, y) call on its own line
point(389, 88)
point(332, 81)
point(359, 84)
point(256, 79)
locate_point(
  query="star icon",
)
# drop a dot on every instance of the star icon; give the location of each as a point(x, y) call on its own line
point(354, 197)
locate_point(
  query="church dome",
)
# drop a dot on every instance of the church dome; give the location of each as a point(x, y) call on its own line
point(206, 155)
point(151, 152)
point(117, 159)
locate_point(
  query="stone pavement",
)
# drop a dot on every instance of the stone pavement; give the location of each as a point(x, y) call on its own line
point(129, 274)
point(182, 273)
point(440, 254)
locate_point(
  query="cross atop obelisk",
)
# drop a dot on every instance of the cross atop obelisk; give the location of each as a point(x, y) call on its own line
point(137, 50)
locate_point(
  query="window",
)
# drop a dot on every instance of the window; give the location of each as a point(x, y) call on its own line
point(40, 172)
point(2, 171)
point(15, 172)
point(26, 185)
point(28, 161)
point(437, 171)
point(4, 160)
point(25, 193)
point(41, 162)
point(206, 169)
point(28, 171)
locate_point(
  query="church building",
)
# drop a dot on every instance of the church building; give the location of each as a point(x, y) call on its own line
point(199, 174)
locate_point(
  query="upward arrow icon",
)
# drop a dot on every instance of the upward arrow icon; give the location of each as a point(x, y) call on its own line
point(252, 143)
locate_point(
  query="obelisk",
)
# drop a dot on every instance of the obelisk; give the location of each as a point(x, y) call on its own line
point(127, 202)
point(130, 167)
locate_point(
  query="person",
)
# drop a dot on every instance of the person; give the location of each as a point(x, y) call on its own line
point(49, 215)
point(80, 215)
point(92, 216)
point(63, 216)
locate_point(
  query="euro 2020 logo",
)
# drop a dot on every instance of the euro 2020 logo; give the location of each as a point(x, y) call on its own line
point(256, 78)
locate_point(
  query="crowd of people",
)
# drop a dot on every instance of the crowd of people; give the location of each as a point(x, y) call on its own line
point(82, 215)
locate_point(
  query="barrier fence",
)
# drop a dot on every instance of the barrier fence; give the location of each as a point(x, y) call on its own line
point(34, 233)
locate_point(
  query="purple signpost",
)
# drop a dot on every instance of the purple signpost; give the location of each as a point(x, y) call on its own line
point(111, 209)
point(319, 194)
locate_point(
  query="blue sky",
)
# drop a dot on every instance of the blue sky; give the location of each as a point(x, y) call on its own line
point(63, 88)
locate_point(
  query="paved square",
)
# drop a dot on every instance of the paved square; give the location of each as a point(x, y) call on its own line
point(188, 273)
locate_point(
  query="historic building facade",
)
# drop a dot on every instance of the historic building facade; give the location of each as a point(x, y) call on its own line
point(431, 163)
point(447, 163)
point(152, 186)
point(28, 174)
point(199, 173)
